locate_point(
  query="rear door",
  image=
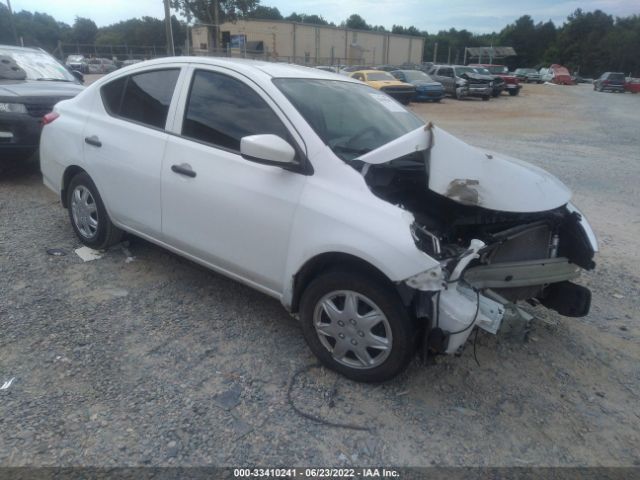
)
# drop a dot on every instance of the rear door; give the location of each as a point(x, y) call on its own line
point(445, 76)
point(125, 139)
point(230, 212)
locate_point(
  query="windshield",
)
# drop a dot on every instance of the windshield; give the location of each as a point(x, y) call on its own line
point(39, 65)
point(498, 69)
point(380, 76)
point(415, 75)
point(351, 118)
point(482, 70)
point(461, 70)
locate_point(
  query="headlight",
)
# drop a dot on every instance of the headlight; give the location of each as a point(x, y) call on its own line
point(461, 82)
point(12, 108)
point(491, 84)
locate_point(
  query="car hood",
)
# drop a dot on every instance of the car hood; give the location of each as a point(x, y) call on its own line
point(424, 83)
point(476, 76)
point(387, 83)
point(32, 88)
point(473, 176)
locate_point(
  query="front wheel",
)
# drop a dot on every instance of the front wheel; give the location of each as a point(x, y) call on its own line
point(88, 216)
point(357, 326)
point(486, 99)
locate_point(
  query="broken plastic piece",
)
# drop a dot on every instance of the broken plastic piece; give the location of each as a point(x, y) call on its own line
point(88, 254)
point(7, 384)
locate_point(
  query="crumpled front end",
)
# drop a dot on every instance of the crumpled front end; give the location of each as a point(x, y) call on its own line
point(503, 231)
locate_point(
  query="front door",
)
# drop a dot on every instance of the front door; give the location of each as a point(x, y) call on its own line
point(233, 213)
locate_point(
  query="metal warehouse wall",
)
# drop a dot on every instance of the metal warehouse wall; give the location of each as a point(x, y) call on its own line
point(317, 45)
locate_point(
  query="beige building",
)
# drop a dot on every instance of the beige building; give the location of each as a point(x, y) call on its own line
point(309, 44)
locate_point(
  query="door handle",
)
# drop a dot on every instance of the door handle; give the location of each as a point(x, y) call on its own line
point(93, 140)
point(183, 169)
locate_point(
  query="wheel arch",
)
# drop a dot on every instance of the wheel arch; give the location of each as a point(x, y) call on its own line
point(70, 172)
point(327, 261)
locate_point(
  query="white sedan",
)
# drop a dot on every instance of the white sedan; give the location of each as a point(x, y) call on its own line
point(382, 234)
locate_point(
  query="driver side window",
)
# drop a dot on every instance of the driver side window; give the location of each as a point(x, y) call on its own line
point(221, 110)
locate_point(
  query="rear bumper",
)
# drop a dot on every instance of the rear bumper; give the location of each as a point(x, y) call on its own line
point(614, 88)
point(19, 136)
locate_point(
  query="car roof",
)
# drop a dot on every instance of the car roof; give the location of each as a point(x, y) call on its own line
point(21, 49)
point(273, 69)
point(369, 71)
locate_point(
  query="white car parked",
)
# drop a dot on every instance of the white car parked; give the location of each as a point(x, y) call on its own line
point(382, 234)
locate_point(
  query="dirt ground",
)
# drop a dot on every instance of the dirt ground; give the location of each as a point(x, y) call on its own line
point(157, 361)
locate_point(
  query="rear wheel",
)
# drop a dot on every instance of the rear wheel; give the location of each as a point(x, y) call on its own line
point(514, 92)
point(357, 326)
point(88, 216)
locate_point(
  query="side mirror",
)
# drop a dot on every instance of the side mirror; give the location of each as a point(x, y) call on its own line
point(267, 149)
point(79, 76)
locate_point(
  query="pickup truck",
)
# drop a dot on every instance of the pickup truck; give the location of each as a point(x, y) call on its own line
point(511, 82)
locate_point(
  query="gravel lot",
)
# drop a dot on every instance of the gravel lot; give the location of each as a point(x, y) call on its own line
point(157, 361)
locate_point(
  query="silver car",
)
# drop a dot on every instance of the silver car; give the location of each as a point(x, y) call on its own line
point(460, 81)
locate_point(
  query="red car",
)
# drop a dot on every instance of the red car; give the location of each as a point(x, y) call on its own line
point(632, 85)
point(561, 75)
point(512, 84)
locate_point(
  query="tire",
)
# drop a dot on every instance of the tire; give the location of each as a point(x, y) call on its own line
point(87, 214)
point(437, 100)
point(514, 92)
point(390, 342)
point(486, 99)
point(495, 94)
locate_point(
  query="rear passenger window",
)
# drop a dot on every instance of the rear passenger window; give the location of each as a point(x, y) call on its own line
point(221, 110)
point(143, 97)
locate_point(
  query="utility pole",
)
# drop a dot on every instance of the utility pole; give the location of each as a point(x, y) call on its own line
point(167, 23)
point(435, 52)
point(216, 20)
point(13, 27)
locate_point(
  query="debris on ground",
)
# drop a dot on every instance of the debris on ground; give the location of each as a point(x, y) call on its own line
point(88, 254)
point(7, 384)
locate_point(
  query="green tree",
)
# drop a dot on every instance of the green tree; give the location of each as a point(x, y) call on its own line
point(304, 18)
point(265, 13)
point(204, 10)
point(6, 34)
point(84, 30)
point(37, 29)
point(356, 22)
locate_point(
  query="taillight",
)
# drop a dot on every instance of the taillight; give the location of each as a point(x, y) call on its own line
point(49, 117)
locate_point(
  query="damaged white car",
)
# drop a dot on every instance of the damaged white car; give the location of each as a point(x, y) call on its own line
point(382, 234)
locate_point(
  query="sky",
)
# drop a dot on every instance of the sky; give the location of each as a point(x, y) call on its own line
point(478, 16)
